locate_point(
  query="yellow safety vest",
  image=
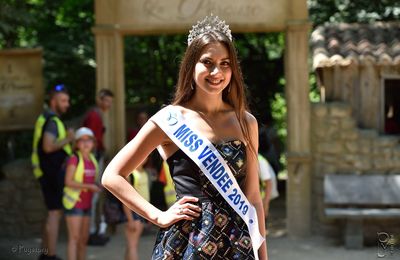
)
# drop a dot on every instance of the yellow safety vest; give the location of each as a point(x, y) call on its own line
point(71, 195)
point(37, 134)
point(140, 181)
point(169, 188)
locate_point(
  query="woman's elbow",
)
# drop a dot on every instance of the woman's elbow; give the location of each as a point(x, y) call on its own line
point(106, 179)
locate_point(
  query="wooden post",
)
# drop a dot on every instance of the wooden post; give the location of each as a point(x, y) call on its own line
point(110, 75)
point(298, 122)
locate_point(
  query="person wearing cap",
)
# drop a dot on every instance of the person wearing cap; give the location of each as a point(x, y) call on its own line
point(51, 146)
point(80, 185)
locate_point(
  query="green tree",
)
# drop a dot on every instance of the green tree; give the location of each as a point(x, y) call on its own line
point(63, 29)
point(152, 65)
point(353, 11)
point(14, 18)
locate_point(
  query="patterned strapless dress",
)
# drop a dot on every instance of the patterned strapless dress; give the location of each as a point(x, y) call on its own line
point(219, 232)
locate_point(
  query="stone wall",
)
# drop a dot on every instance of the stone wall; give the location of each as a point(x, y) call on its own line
point(338, 146)
point(22, 208)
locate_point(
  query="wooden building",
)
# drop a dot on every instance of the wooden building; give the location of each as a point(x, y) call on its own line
point(360, 64)
point(355, 129)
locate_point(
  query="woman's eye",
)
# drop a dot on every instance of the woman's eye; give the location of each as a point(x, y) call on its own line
point(206, 62)
point(225, 64)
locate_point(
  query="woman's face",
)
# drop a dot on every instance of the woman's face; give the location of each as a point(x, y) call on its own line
point(213, 72)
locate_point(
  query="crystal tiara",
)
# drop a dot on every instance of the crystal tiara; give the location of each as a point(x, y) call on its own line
point(208, 24)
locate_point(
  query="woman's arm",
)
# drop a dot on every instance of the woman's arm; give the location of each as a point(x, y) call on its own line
point(127, 159)
point(70, 182)
point(252, 189)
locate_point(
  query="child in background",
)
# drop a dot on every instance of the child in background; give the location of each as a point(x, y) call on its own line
point(135, 223)
point(268, 184)
point(80, 184)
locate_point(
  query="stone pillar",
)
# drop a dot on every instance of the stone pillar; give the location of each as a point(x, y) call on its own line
point(110, 74)
point(298, 124)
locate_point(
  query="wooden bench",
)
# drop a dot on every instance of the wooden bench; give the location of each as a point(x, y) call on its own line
point(358, 197)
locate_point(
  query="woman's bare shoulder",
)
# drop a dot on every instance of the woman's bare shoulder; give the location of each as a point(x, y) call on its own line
point(250, 119)
point(184, 109)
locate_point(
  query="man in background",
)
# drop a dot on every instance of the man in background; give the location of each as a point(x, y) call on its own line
point(51, 147)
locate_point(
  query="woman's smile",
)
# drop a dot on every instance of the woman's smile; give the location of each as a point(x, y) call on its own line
point(213, 70)
point(214, 81)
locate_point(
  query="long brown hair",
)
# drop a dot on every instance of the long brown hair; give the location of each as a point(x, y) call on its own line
point(236, 96)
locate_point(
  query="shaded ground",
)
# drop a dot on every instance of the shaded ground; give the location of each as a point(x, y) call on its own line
point(280, 247)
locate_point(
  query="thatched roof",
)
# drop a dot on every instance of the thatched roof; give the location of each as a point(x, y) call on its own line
point(343, 44)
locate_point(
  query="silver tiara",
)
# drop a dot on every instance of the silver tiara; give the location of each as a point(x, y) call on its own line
point(209, 24)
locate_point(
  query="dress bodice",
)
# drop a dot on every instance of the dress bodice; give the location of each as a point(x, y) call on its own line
point(219, 232)
point(189, 179)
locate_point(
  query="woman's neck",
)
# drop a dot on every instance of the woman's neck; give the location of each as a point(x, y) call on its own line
point(208, 104)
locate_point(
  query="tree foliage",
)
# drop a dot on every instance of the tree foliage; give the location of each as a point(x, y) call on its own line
point(63, 29)
point(14, 18)
point(353, 11)
point(152, 65)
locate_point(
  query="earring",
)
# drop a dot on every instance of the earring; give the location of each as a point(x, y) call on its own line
point(229, 88)
point(191, 86)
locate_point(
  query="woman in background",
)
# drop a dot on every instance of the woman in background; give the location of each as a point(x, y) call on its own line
point(135, 223)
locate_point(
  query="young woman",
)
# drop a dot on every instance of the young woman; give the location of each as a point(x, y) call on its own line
point(80, 185)
point(210, 96)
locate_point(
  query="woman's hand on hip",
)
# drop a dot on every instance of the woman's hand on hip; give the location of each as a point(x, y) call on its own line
point(183, 209)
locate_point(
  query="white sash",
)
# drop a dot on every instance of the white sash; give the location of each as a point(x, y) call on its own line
point(208, 159)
